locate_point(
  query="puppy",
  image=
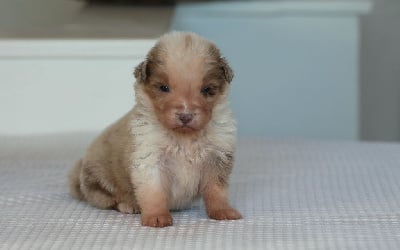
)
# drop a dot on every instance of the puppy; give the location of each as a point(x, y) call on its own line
point(176, 144)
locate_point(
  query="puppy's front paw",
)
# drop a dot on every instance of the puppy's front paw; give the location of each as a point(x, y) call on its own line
point(224, 214)
point(161, 220)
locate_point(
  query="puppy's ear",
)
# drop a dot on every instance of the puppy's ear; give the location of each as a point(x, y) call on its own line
point(228, 72)
point(141, 71)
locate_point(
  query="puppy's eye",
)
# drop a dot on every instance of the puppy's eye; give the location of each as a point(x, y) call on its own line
point(164, 88)
point(208, 91)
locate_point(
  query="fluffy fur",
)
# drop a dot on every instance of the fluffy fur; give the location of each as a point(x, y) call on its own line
point(177, 143)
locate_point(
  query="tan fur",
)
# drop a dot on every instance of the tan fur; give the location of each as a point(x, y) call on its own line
point(175, 145)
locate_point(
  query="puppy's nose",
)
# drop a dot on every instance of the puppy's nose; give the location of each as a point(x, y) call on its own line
point(185, 118)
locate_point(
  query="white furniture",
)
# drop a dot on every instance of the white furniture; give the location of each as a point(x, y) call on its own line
point(51, 86)
point(68, 66)
point(293, 194)
point(296, 62)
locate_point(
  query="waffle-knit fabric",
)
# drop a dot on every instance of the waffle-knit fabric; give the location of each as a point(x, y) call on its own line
point(293, 194)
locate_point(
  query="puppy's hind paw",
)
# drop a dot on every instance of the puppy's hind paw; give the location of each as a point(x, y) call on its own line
point(127, 209)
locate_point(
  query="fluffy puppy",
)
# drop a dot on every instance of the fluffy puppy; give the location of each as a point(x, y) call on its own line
point(176, 144)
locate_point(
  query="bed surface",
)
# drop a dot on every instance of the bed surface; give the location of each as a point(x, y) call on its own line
point(293, 194)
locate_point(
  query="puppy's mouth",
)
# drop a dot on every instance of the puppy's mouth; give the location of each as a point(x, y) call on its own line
point(184, 129)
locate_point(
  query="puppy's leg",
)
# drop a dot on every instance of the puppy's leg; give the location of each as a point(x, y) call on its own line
point(94, 189)
point(216, 184)
point(153, 202)
point(217, 204)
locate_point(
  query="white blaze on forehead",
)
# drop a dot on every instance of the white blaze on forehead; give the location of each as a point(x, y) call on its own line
point(183, 42)
point(185, 70)
point(185, 55)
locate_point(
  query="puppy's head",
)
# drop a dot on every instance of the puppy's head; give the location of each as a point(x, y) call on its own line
point(184, 76)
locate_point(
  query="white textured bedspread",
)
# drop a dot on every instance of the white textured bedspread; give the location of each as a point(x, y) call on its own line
point(293, 194)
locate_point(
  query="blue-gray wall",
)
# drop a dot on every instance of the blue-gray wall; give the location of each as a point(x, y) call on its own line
point(296, 70)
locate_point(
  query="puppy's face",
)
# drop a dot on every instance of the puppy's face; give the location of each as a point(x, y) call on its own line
point(184, 76)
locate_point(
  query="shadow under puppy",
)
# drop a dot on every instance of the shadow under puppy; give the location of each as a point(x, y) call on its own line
point(175, 145)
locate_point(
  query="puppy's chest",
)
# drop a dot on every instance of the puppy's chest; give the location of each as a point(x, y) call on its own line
point(183, 167)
